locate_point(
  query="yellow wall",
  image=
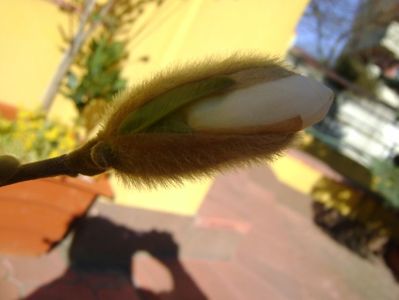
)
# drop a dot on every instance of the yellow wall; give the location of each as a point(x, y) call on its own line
point(193, 29)
point(180, 30)
point(28, 51)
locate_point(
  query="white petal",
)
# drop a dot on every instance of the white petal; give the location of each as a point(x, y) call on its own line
point(263, 104)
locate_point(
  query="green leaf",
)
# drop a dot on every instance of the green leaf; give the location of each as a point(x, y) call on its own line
point(169, 102)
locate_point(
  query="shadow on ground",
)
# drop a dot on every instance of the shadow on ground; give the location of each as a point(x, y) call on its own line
point(100, 265)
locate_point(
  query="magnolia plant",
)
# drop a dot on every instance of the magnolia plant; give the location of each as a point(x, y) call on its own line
point(190, 121)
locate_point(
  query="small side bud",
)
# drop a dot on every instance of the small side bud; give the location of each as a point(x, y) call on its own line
point(8, 167)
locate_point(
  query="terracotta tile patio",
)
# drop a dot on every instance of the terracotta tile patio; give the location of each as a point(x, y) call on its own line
point(253, 238)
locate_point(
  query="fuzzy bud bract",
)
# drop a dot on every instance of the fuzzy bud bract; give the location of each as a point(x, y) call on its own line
point(205, 117)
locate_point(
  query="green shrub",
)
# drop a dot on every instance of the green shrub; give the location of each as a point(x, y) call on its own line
point(32, 137)
point(386, 181)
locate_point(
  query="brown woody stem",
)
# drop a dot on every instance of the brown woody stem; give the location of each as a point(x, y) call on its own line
point(72, 164)
point(41, 169)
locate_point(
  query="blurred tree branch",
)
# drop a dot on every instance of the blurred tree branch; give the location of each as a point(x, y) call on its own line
point(77, 42)
point(333, 22)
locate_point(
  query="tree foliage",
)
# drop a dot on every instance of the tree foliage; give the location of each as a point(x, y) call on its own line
point(97, 70)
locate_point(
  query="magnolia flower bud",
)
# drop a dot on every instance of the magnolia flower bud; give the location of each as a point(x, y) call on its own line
point(285, 104)
point(202, 118)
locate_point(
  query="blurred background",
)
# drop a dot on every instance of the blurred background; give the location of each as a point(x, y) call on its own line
point(321, 222)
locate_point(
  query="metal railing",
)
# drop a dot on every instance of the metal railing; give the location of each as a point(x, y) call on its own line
point(362, 129)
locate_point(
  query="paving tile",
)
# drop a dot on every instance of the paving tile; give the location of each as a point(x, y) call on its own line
point(32, 221)
point(74, 284)
point(194, 239)
point(8, 290)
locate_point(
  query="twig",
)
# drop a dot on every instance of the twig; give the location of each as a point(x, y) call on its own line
point(41, 169)
point(64, 5)
point(77, 162)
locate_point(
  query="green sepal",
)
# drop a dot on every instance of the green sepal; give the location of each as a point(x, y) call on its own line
point(171, 124)
point(169, 102)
